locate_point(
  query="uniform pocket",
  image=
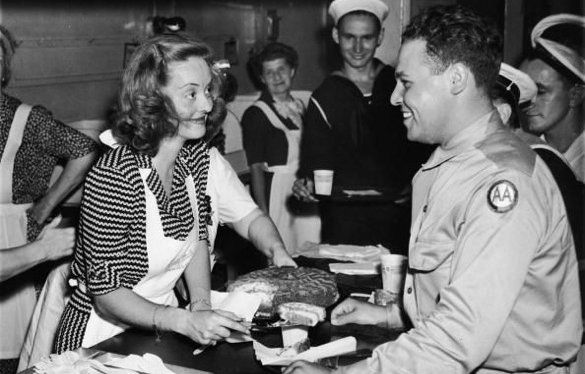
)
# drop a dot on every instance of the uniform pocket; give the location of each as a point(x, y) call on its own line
point(428, 256)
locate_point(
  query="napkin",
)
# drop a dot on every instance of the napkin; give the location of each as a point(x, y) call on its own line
point(242, 304)
point(273, 356)
point(362, 193)
point(363, 268)
point(343, 252)
point(353, 253)
point(147, 363)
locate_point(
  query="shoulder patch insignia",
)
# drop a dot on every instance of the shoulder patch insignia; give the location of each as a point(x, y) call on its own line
point(502, 196)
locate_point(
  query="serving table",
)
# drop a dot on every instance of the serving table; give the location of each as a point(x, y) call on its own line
point(232, 358)
point(228, 358)
point(235, 358)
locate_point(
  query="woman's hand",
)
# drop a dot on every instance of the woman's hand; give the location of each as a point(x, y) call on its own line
point(208, 326)
point(56, 242)
point(300, 367)
point(360, 312)
point(280, 257)
point(303, 190)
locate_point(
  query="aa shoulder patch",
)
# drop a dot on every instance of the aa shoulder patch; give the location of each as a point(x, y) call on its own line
point(502, 196)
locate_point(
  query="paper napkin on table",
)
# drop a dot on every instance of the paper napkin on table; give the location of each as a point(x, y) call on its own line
point(353, 253)
point(343, 252)
point(147, 363)
point(274, 356)
point(370, 192)
point(242, 304)
point(361, 268)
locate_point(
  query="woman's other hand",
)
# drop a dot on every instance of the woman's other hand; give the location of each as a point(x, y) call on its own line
point(280, 257)
point(303, 190)
point(56, 242)
point(360, 312)
point(209, 326)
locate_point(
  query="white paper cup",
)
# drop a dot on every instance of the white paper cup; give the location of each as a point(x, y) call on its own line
point(293, 334)
point(393, 272)
point(323, 181)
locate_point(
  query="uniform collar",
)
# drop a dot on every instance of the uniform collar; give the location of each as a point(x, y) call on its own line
point(464, 139)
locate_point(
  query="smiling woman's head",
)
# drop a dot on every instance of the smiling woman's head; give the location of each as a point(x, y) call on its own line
point(146, 111)
point(275, 66)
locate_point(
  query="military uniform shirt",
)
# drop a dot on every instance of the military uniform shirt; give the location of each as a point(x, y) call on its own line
point(493, 283)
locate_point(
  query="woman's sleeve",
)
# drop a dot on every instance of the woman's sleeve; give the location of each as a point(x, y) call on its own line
point(254, 135)
point(58, 139)
point(107, 209)
point(234, 200)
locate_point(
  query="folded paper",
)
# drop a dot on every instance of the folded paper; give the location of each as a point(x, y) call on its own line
point(280, 357)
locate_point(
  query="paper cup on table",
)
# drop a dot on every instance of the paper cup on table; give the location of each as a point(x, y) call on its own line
point(293, 334)
point(393, 272)
point(323, 181)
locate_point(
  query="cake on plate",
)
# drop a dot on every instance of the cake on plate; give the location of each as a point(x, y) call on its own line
point(286, 284)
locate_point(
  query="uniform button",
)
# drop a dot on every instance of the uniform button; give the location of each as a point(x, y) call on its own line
point(424, 209)
point(409, 290)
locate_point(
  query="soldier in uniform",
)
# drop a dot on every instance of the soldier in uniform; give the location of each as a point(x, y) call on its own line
point(492, 283)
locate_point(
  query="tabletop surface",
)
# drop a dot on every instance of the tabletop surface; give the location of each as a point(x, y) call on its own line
point(231, 358)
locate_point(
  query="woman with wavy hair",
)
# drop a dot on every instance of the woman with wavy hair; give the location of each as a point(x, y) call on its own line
point(151, 206)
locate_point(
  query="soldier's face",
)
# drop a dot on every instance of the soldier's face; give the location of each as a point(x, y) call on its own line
point(421, 94)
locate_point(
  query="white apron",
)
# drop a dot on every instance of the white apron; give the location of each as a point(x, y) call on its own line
point(16, 301)
point(45, 319)
point(293, 229)
point(167, 260)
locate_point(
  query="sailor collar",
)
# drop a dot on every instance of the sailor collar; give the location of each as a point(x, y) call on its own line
point(464, 140)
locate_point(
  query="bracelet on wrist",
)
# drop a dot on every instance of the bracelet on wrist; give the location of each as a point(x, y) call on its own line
point(200, 301)
point(157, 332)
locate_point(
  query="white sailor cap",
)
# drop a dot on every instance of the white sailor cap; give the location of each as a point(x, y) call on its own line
point(517, 83)
point(340, 8)
point(566, 56)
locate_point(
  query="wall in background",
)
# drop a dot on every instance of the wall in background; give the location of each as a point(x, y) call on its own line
point(299, 23)
point(71, 52)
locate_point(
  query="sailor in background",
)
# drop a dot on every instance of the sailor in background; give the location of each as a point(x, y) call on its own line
point(557, 65)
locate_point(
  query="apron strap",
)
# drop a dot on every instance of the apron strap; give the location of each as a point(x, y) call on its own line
point(12, 145)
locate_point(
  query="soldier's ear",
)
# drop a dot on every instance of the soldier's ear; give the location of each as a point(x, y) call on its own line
point(577, 95)
point(458, 75)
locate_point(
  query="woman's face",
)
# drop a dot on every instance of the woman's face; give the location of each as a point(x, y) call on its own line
point(277, 75)
point(189, 88)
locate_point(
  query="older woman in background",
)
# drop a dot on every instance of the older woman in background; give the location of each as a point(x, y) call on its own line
point(151, 207)
point(31, 144)
point(272, 129)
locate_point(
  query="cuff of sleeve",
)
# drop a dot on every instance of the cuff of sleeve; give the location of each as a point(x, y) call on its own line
point(102, 279)
point(394, 317)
